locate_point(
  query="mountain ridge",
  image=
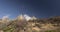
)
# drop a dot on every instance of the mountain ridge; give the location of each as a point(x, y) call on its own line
point(19, 24)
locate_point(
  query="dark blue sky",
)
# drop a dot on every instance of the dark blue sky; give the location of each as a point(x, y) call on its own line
point(38, 8)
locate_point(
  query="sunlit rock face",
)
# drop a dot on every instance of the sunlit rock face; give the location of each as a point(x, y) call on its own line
point(0, 20)
point(25, 23)
point(5, 19)
point(33, 18)
point(1, 31)
point(25, 17)
point(20, 18)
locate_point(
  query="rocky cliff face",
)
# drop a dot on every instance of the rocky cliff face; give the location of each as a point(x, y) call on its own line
point(20, 24)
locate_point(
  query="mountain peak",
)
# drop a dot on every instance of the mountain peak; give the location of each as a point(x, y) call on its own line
point(25, 17)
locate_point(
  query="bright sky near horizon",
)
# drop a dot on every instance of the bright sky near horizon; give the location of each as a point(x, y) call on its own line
point(38, 8)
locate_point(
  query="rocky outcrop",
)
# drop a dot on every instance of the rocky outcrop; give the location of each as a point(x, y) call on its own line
point(20, 24)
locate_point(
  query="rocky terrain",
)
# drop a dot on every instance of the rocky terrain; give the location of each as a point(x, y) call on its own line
point(20, 24)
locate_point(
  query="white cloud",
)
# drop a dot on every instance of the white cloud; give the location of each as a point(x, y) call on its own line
point(6, 16)
point(27, 17)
